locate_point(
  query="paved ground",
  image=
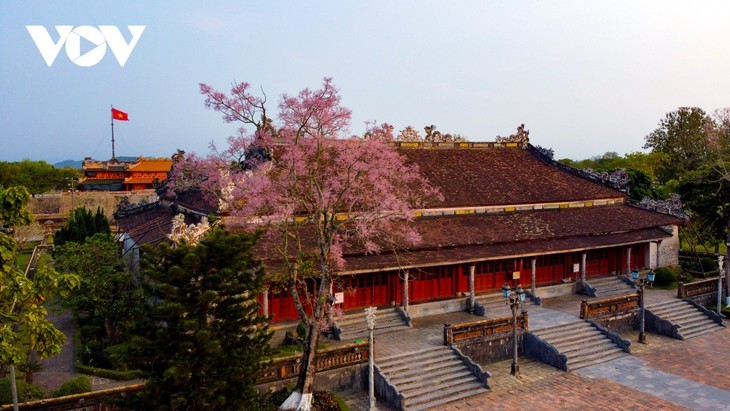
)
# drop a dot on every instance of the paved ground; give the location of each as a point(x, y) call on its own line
point(664, 374)
point(62, 367)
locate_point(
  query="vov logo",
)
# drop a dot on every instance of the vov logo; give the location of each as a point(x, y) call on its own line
point(71, 37)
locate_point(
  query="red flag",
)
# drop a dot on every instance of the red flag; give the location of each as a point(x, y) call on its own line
point(119, 115)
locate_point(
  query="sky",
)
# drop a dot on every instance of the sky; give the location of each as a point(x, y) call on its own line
point(585, 77)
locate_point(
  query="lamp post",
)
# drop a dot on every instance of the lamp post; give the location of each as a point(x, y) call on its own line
point(514, 302)
point(370, 317)
point(642, 282)
point(720, 257)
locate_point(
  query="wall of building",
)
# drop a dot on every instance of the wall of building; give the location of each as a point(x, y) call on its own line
point(669, 249)
point(107, 200)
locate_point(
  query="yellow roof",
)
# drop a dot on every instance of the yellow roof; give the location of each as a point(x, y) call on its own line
point(152, 164)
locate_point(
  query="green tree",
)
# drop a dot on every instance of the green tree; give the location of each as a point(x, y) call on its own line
point(707, 194)
point(37, 176)
point(201, 337)
point(682, 136)
point(24, 324)
point(82, 224)
point(641, 184)
point(108, 290)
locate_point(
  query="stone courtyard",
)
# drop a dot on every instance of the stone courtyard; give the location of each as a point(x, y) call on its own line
point(665, 373)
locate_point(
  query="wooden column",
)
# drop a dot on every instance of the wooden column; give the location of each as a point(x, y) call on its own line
point(472, 269)
point(405, 290)
point(628, 260)
point(266, 301)
point(583, 267)
point(534, 273)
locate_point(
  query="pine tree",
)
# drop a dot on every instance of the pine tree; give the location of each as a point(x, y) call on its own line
point(201, 337)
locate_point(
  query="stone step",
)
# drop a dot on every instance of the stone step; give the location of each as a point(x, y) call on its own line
point(549, 330)
point(357, 327)
point(453, 368)
point(614, 293)
point(410, 353)
point(672, 309)
point(558, 333)
point(347, 336)
point(572, 337)
point(693, 326)
point(686, 317)
point(360, 317)
point(438, 403)
point(441, 375)
point(598, 336)
point(593, 356)
point(590, 350)
point(582, 364)
point(428, 399)
point(593, 281)
point(422, 370)
point(416, 361)
point(431, 386)
point(666, 302)
point(688, 335)
point(616, 288)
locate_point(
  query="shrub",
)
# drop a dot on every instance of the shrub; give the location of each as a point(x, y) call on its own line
point(302, 330)
point(665, 276)
point(26, 392)
point(72, 386)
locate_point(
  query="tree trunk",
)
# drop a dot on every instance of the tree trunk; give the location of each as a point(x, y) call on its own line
point(305, 383)
point(727, 263)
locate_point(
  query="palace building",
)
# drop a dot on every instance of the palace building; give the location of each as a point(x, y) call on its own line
point(115, 175)
point(509, 214)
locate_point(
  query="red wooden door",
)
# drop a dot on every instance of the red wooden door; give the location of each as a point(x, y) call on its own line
point(380, 289)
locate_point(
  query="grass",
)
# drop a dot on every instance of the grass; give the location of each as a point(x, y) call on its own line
point(705, 248)
point(289, 350)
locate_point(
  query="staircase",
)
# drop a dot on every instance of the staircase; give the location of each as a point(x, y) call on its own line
point(430, 377)
point(354, 326)
point(582, 343)
point(494, 304)
point(692, 322)
point(610, 287)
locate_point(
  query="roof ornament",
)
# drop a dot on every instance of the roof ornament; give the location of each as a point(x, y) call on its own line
point(409, 134)
point(672, 205)
point(522, 136)
point(190, 233)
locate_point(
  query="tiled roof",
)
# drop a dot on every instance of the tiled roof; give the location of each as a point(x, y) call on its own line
point(507, 176)
point(150, 226)
point(456, 255)
point(517, 232)
point(139, 180)
point(89, 181)
point(151, 164)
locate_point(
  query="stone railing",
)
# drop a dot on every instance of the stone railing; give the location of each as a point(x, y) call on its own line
point(328, 359)
point(95, 400)
point(387, 390)
point(544, 352)
point(615, 337)
point(476, 369)
point(623, 304)
point(696, 288)
point(482, 328)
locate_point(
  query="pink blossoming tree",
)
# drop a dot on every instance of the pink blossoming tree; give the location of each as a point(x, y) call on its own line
point(319, 192)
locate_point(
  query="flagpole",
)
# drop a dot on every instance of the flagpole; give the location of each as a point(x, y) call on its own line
point(113, 154)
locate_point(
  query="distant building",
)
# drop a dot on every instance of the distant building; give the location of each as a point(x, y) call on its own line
point(115, 175)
